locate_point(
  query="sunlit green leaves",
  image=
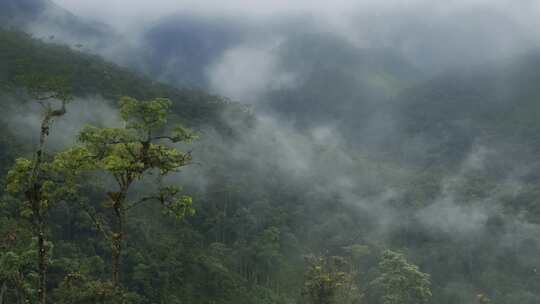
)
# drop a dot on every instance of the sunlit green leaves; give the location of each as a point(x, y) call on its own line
point(166, 159)
point(402, 282)
point(328, 281)
point(180, 133)
point(129, 153)
point(174, 202)
point(73, 161)
point(18, 177)
point(56, 179)
point(132, 150)
point(144, 116)
point(98, 140)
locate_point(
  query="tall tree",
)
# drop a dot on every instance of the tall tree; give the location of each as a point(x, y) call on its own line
point(329, 280)
point(400, 281)
point(129, 153)
point(37, 181)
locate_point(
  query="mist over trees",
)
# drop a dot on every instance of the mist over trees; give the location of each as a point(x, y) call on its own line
point(360, 153)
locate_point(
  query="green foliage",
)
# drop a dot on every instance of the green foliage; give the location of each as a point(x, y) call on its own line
point(400, 281)
point(244, 245)
point(328, 280)
point(483, 299)
point(77, 288)
point(45, 86)
point(26, 61)
point(17, 272)
point(144, 116)
point(58, 181)
point(130, 152)
point(175, 204)
point(18, 177)
point(40, 182)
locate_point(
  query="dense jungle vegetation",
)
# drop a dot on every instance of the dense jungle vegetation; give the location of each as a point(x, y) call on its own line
point(174, 195)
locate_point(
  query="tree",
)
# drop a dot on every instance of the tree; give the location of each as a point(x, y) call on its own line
point(400, 281)
point(130, 153)
point(38, 181)
point(14, 265)
point(80, 289)
point(328, 280)
point(482, 299)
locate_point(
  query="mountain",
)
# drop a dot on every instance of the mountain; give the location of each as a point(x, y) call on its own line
point(96, 84)
point(48, 21)
point(180, 48)
point(17, 12)
point(492, 104)
point(356, 152)
point(90, 75)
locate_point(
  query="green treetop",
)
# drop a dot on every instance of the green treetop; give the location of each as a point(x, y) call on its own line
point(42, 181)
point(141, 147)
point(329, 280)
point(402, 282)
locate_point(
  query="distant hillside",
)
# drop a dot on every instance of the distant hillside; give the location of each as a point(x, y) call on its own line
point(22, 11)
point(46, 20)
point(90, 75)
point(341, 85)
point(493, 104)
point(179, 48)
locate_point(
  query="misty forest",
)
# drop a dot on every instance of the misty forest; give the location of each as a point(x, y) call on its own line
point(261, 152)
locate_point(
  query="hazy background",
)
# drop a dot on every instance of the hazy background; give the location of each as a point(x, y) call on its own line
point(205, 38)
point(419, 116)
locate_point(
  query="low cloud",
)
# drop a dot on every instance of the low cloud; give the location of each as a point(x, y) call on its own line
point(243, 73)
point(24, 122)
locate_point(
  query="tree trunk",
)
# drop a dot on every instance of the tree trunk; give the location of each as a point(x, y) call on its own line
point(43, 265)
point(117, 238)
point(34, 195)
point(117, 253)
point(3, 292)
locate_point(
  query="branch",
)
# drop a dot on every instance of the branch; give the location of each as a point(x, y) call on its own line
point(47, 97)
point(141, 201)
point(97, 222)
point(163, 137)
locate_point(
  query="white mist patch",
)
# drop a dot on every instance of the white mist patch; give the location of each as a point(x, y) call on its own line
point(243, 73)
point(476, 159)
point(276, 144)
point(447, 214)
point(326, 135)
point(25, 121)
point(448, 217)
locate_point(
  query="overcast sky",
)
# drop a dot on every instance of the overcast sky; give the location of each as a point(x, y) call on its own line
point(111, 10)
point(117, 12)
point(432, 34)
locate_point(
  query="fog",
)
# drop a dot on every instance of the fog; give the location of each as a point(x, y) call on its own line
point(25, 121)
point(431, 35)
point(118, 11)
point(280, 46)
point(245, 72)
point(394, 109)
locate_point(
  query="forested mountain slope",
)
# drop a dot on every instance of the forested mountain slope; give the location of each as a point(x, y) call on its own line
point(451, 182)
point(495, 104)
point(49, 21)
point(75, 239)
